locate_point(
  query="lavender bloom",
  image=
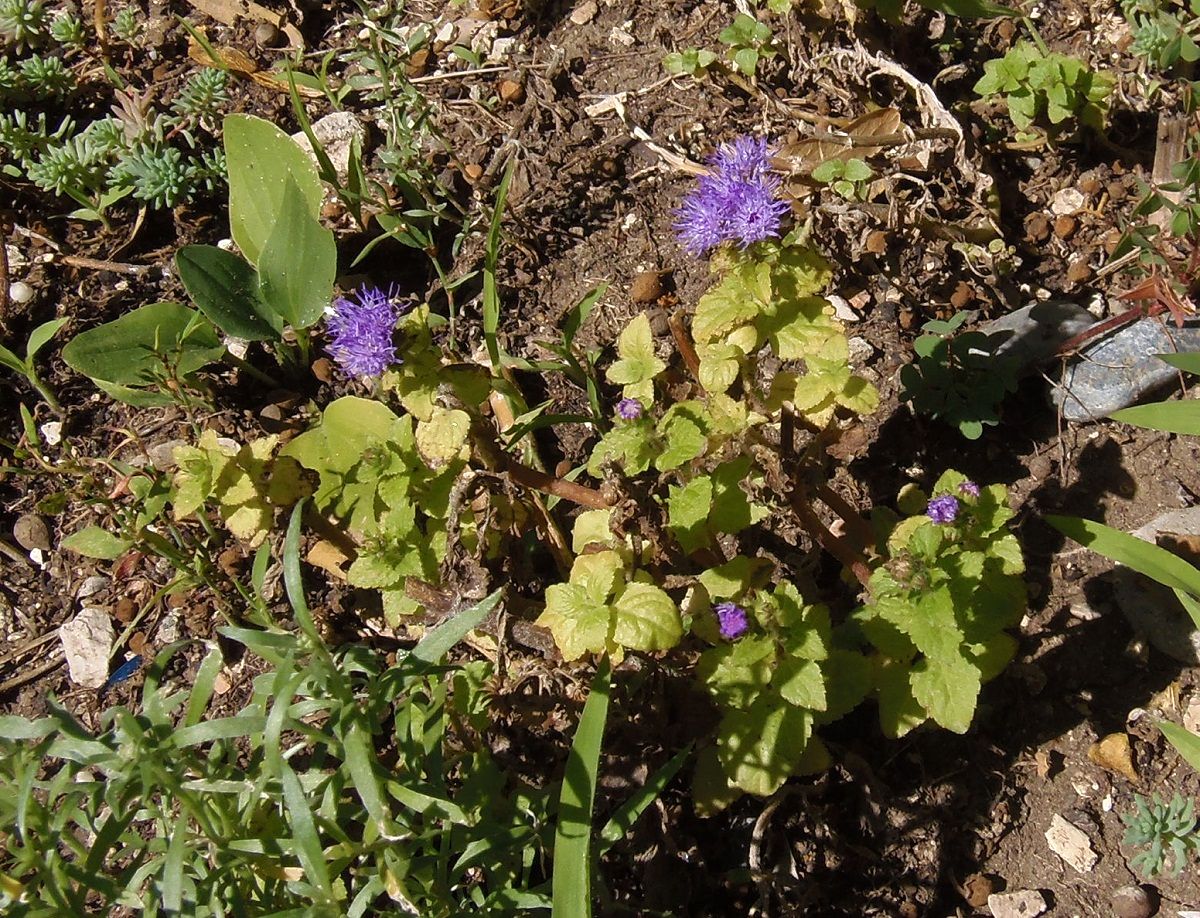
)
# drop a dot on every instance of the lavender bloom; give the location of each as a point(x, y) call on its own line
point(629, 409)
point(736, 202)
point(942, 509)
point(732, 619)
point(362, 332)
point(969, 488)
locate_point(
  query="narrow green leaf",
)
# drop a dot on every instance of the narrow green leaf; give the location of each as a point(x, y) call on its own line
point(628, 812)
point(41, 336)
point(1173, 417)
point(437, 643)
point(202, 688)
point(1189, 363)
point(1144, 557)
point(292, 580)
point(172, 881)
point(491, 291)
point(1190, 604)
point(360, 762)
point(304, 834)
point(1184, 741)
point(298, 263)
point(221, 728)
point(12, 361)
point(225, 288)
point(572, 888)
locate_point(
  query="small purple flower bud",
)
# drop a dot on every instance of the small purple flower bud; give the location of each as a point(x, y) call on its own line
point(942, 509)
point(969, 488)
point(629, 409)
point(362, 332)
point(732, 619)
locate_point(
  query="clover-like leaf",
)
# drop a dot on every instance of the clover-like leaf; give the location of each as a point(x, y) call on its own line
point(948, 690)
point(638, 363)
point(646, 619)
point(760, 747)
point(802, 683)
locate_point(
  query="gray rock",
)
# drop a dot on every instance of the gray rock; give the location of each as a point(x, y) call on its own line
point(1152, 608)
point(91, 586)
point(1122, 369)
point(1033, 333)
point(162, 455)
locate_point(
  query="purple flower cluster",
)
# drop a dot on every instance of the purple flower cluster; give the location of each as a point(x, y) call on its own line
point(942, 509)
point(629, 409)
point(362, 332)
point(732, 619)
point(969, 488)
point(736, 202)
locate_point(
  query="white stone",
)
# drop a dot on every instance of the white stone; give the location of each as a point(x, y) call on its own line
point(1067, 201)
point(585, 12)
point(52, 432)
point(225, 245)
point(20, 292)
point(842, 310)
point(619, 36)
point(1071, 843)
point(168, 629)
point(1023, 904)
point(162, 455)
point(502, 50)
point(87, 641)
point(860, 351)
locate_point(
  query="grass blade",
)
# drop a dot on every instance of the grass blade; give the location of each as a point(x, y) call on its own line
point(1144, 557)
point(293, 582)
point(629, 811)
point(1173, 417)
point(304, 834)
point(572, 894)
point(491, 292)
point(1184, 741)
point(437, 643)
point(1190, 604)
point(1189, 363)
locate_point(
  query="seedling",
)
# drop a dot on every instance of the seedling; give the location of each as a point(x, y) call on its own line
point(38, 339)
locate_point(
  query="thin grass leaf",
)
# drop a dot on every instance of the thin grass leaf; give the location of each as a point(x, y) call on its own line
point(1190, 604)
point(627, 814)
point(203, 687)
point(360, 763)
point(222, 728)
point(1189, 363)
point(172, 881)
point(13, 727)
point(437, 643)
point(572, 892)
point(1186, 743)
point(1172, 417)
point(283, 688)
point(491, 292)
point(304, 834)
point(293, 582)
point(272, 646)
point(1143, 557)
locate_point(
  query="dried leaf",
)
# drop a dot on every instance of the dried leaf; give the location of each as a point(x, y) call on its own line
point(327, 556)
point(801, 157)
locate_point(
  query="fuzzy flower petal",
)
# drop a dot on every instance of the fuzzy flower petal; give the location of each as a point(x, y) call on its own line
point(362, 332)
point(942, 509)
point(737, 202)
point(969, 488)
point(732, 619)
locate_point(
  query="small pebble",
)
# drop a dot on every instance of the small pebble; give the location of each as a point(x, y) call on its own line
point(977, 888)
point(962, 296)
point(1023, 904)
point(20, 292)
point(473, 172)
point(1133, 902)
point(646, 287)
point(1037, 227)
point(584, 13)
point(91, 586)
point(31, 532)
point(877, 241)
point(322, 368)
point(1116, 191)
point(511, 92)
point(267, 35)
point(1078, 271)
point(51, 432)
point(1065, 226)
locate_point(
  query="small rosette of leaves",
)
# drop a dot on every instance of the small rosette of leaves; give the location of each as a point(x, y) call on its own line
point(606, 608)
point(773, 299)
point(772, 686)
point(1050, 89)
point(1169, 833)
point(245, 482)
point(389, 481)
point(940, 606)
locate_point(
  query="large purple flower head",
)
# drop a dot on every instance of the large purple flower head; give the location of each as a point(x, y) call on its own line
point(362, 331)
point(735, 202)
point(732, 620)
point(942, 509)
